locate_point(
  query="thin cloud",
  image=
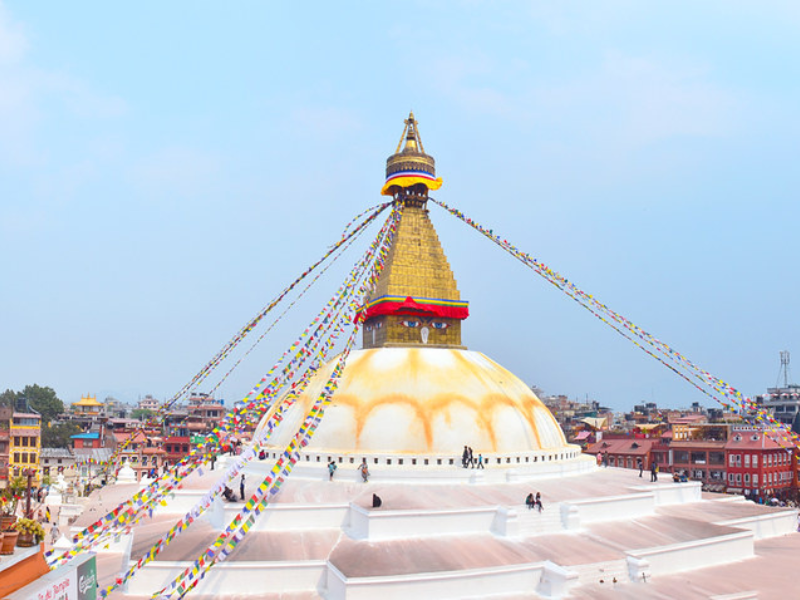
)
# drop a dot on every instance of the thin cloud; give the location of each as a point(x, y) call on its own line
point(27, 89)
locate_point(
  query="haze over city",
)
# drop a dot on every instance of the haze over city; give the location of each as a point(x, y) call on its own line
point(166, 170)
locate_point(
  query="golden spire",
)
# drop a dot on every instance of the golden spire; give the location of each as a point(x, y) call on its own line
point(410, 170)
point(416, 301)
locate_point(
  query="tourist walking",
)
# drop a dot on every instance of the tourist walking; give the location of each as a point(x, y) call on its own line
point(331, 470)
point(480, 461)
point(538, 502)
point(464, 457)
point(54, 533)
point(364, 471)
point(640, 464)
point(653, 472)
point(241, 487)
point(471, 460)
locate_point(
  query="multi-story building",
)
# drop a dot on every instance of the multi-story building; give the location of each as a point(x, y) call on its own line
point(6, 414)
point(782, 402)
point(56, 461)
point(758, 465)
point(87, 413)
point(203, 414)
point(625, 452)
point(149, 403)
point(701, 460)
point(25, 441)
point(141, 452)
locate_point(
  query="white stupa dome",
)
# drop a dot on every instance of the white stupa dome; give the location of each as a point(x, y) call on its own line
point(424, 401)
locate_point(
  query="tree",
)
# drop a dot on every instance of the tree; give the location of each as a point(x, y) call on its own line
point(44, 401)
point(58, 436)
point(141, 414)
point(8, 398)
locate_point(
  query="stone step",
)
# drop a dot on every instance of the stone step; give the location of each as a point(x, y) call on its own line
point(606, 572)
point(532, 522)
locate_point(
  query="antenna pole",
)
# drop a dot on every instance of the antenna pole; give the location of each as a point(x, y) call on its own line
point(785, 367)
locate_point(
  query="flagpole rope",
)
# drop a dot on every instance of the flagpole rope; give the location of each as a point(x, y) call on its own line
point(672, 359)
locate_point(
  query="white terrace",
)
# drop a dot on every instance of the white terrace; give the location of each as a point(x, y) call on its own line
point(603, 533)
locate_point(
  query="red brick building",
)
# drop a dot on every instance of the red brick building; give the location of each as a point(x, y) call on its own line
point(701, 460)
point(625, 452)
point(757, 465)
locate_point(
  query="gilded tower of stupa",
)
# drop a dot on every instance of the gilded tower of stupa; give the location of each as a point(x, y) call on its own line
point(414, 390)
point(416, 301)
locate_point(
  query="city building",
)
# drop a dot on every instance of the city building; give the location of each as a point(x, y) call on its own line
point(149, 403)
point(56, 461)
point(88, 406)
point(6, 415)
point(624, 453)
point(700, 460)
point(25, 441)
point(140, 452)
point(758, 465)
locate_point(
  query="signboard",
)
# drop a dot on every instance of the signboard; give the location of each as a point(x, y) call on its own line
point(77, 580)
point(87, 580)
point(198, 439)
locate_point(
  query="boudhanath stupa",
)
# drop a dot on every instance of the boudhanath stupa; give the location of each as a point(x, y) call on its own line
point(407, 404)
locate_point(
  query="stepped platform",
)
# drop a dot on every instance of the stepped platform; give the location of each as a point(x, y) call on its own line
point(602, 534)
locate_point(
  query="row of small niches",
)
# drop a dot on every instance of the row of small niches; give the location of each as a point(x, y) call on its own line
point(439, 461)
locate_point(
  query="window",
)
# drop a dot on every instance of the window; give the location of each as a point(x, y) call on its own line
point(738, 478)
point(738, 460)
point(16, 457)
point(17, 441)
point(731, 461)
point(747, 461)
point(698, 458)
point(747, 478)
point(755, 461)
point(716, 458)
point(730, 478)
point(755, 479)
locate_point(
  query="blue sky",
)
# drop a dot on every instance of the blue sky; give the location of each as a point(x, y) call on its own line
point(167, 168)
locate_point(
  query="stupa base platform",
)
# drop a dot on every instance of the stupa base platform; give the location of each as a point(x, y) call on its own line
point(603, 534)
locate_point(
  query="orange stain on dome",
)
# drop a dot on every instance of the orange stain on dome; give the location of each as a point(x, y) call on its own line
point(443, 399)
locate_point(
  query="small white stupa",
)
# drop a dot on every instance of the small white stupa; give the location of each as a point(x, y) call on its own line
point(126, 474)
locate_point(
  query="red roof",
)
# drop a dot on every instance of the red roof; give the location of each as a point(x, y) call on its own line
point(746, 441)
point(632, 447)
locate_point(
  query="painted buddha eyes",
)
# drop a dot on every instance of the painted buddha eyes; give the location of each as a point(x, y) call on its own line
point(415, 323)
